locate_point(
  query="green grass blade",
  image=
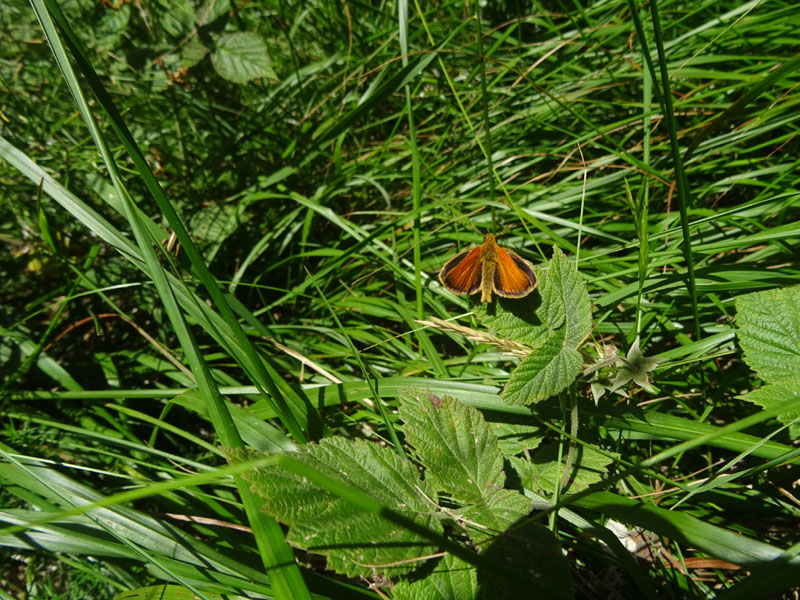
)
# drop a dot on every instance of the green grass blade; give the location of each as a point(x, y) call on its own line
point(677, 161)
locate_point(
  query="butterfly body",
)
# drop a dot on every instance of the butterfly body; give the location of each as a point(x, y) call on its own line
point(488, 268)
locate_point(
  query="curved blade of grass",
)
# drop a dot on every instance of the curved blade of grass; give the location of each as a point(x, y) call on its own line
point(200, 312)
point(483, 397)
point(720, 543)
point(777, 576)
point(276, 554)
point(677, 160)
point(365, 372)
point(253, 365)
point(139, 536)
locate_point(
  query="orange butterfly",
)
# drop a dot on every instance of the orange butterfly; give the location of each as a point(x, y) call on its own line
point(488, 267)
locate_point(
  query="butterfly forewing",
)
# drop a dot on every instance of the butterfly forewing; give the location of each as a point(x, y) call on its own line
point(462, 274)
point(514, 277)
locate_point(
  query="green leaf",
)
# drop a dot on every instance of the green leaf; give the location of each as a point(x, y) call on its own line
point(775, 394)
point(242, 56)
point(211, 10)
point(565, 300)
point(542, 472)
point(355, 542)
point(547, 371)
point(769, 333)
point(111, 28)
point(502, 509)
point(514, 438)
point(178, 18)
point(192, 52)
point(452, 579)
point(555, 331)
point(564, 304)
point(461, 452)
point(454, 443)
point(519, 320)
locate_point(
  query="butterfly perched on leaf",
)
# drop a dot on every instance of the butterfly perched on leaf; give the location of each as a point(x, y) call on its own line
point(488, 268)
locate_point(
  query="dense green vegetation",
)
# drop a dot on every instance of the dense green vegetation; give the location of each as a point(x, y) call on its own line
point(318, 162)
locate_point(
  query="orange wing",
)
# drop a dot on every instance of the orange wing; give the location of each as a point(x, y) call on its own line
point(514, 276)
point(462, 274)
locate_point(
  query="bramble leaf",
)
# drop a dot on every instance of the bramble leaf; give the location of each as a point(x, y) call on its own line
point(547, 371)
point(452, 579)
point(768, 325)
point(455, 444)
point(589, 467)
point(242, 56)
point(514, 438)
point(211, 10)
point(462, 460)
point(502, 509)
point(355, 542)
point(775, 394)
point(554, 330)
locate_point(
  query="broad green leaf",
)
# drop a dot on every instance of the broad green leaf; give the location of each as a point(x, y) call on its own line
point(460, 451)
point(547, 371)
point(563, 303)
point(775, 394)
point(211, 10)
point(769, 332)
point(452, 579)
point(111, 28)
point(455, 444)
point(514, 438)
point(554, 330)
point(542, 472)
point(565, 300)
point(242, 56)
point(178, 20)
point(502, 509)
point(354, 541)
point(519, 320)
point(192, 52)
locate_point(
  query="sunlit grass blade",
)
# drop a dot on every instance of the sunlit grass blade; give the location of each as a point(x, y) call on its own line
point(275, 553)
